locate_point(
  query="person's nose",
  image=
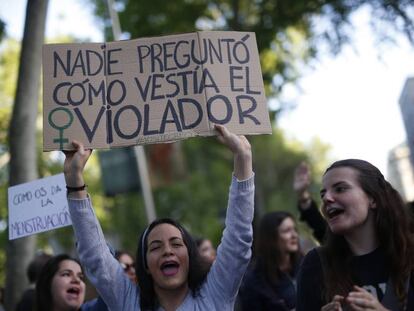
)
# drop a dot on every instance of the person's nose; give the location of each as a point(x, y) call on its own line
point(168, 250)
point(131, 269)
point(328, 197)
point(76, 279)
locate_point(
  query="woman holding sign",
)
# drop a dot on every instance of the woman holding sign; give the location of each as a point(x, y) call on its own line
point(169, 277)
point(368, 258)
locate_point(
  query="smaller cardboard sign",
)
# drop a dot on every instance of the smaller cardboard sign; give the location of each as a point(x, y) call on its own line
point(38, 206)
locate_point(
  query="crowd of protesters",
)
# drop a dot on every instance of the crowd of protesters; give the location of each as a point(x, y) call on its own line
point(364, 262)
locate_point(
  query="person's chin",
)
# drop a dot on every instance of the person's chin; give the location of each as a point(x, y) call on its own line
point(73, 305)
point(171, 283)
point(339, 229)
point(175, 284)
point(293, 248)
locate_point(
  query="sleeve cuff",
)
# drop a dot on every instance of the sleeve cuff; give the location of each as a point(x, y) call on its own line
point(244, 184)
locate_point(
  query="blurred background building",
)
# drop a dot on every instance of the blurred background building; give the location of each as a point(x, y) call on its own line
point(407, 112)
point(400, 171)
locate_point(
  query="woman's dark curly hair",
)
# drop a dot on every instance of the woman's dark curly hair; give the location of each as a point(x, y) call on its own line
point(196, 274)
point(393, 226)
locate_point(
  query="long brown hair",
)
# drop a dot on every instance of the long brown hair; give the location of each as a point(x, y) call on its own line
point(393, 227)
point(268, 255)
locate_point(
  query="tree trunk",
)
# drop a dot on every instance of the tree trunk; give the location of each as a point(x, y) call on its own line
point(22, 140)
point(235, 19)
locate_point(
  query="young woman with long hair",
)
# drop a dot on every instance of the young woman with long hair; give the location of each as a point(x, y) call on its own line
point(60, 285)
point(368, 257)
point(270, 282)
point(167, 258)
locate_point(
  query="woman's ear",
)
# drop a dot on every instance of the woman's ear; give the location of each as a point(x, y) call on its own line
point(372, 204)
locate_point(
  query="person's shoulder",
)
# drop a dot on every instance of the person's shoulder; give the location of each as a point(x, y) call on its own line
point(96, 304)
point(310, 271)
point(310, 283)
point(252, 274)
point(312, 259)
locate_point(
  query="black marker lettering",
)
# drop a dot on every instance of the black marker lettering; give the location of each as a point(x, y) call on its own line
point(165, 120)
point(117, 122)
point(89, 133)
point(246, 113)
point(227, 104)
point(112, 61)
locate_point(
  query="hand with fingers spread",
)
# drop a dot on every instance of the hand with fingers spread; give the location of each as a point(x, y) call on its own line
point(301, 183)
point(360, 300)
point(75, 162)
point(302, 178)
point(334, 305)
point(241, 149)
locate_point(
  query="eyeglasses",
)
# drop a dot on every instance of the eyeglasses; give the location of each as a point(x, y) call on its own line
point(127, 266)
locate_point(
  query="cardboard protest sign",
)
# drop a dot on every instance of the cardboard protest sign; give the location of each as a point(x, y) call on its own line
point(38, 206)
point(152, 90)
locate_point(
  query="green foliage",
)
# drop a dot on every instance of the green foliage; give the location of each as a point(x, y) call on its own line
point(289, 33)
point(124, 220)
point(9, 64)
point(143, 18)
point(8, 77)
point(275, 160)
point(274, 163)
point(48, 163)
point(198, 198)
point(3, 232)
point(288, 36)
point(2, 29)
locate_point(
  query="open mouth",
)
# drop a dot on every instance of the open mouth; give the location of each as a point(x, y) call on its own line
point(170, 268)
point(73, 291)
point(332, 212)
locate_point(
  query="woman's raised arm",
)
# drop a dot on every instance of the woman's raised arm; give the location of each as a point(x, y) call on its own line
point(103, 270)
point(74, 165)
point(241, 149)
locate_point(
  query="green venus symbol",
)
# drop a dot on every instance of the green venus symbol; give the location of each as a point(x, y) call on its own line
point(62, 127)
